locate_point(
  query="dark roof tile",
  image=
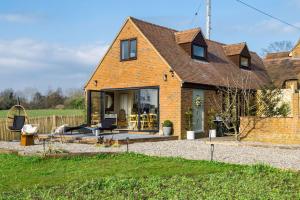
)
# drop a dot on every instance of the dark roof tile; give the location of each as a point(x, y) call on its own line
point(216, 72)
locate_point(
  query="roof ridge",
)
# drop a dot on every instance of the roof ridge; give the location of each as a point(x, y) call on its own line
point(235, 44)
point(188, 30)
point(143, 21)
point(215, 41)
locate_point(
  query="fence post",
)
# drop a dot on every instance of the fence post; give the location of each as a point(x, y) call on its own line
point(54, 121)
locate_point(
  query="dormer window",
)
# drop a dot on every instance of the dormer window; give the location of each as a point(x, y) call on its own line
point(128, 49)
point(198, 52)
point(244, 61)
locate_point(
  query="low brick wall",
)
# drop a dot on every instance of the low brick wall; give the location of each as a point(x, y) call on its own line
point(273, 130)
point(280, 130)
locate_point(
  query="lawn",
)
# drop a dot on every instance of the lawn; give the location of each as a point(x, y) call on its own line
point(133, 176)
point(47, 112)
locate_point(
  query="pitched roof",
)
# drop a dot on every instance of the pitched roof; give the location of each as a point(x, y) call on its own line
point(186, 36)
point(234, 49)
point(216, 72)
point(281, 69)
point(277, 55)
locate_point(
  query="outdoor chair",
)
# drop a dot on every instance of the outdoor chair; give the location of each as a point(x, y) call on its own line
point(82, 129)
point(108, 124)
point(18, 123)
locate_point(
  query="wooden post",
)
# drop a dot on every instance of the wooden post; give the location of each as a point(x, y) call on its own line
point(54, 121)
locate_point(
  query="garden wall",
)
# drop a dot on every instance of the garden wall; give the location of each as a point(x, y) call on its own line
point(46, 124)
point(283, 130)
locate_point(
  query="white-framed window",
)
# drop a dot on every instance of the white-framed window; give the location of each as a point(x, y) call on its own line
point(198, 52)
point(244, 61)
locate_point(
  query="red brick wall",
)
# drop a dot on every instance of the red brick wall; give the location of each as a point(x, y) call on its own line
point(275, 129)
point(147, 70)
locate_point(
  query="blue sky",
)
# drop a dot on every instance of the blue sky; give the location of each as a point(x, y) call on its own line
point(46, 44)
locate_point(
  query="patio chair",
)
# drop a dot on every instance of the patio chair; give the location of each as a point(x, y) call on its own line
point(18, 123)
point(16, 118)
point(108, 124)
point(82, 129)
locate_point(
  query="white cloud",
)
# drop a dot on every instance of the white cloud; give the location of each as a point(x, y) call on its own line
point(17, 18)
point(267, 27)
point(50, 64)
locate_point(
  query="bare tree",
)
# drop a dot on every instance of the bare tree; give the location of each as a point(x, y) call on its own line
point(237, 98)
point(279, 46)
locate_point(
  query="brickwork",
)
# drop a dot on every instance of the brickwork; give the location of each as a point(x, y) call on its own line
point(147, 70)
point(274, 130)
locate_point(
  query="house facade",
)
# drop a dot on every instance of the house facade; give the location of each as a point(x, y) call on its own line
point(152, 73)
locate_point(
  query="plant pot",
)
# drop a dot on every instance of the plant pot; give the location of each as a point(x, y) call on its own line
point(212, 133)
point(167, 131)
point(190, 135)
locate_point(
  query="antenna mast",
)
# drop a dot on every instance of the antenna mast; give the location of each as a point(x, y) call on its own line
point(208, 18)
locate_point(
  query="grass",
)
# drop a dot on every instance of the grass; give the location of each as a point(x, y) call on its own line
point(134, 176)
point(47, 112)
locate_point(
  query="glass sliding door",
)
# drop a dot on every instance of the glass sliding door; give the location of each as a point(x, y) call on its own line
point(149, 109)
point(94, 106)
point(122, 105)
point(133, 109)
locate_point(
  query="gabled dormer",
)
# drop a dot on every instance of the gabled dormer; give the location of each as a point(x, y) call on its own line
point(239, 54)
point(192, 42)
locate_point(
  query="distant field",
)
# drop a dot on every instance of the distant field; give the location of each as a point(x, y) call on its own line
point(47, 112)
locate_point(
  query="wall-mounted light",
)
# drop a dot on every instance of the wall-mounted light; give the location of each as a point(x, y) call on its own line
point(165, 77)
point(172, 72)
point(95, 83)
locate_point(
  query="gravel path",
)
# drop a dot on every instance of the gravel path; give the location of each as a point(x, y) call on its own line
point(287, 157)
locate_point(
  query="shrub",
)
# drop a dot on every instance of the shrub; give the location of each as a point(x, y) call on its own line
point(167, 123)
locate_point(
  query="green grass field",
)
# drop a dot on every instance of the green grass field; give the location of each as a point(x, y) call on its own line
point(132, 176)
point(47, 112)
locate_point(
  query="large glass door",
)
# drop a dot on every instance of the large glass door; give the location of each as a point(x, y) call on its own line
point(149, 109)
point(132, 109)
point(94, 107)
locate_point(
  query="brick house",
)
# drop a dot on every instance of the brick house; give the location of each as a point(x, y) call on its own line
point(152, 73)
point(284, 68)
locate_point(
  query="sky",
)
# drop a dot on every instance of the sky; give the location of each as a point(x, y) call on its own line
point(45, 44)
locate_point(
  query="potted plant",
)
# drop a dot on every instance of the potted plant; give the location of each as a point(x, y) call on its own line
point(211, 123)
point(167, 127)
point(190, 134)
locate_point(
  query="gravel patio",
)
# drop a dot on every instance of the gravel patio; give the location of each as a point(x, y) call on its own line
point(280, 156)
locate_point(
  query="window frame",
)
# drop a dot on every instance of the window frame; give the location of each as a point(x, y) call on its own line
point(199, 57)
point(129, 49)
point(243, 66)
